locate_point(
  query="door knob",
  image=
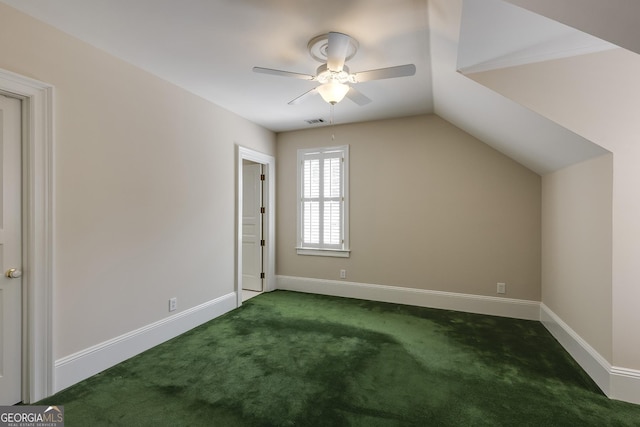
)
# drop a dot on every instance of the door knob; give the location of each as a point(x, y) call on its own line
point(13, 273)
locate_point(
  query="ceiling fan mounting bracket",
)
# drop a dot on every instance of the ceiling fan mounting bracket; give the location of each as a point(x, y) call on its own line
point(317, 47)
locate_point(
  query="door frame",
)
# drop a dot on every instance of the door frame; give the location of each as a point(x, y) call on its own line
point(38, 379)
point(269, 195)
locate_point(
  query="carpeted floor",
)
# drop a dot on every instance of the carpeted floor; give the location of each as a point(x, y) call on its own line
point(293, 359)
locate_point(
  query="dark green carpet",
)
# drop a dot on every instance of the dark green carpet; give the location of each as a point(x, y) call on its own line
point(292, 359)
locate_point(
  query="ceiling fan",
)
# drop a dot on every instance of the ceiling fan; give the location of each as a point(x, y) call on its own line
point(333, 50)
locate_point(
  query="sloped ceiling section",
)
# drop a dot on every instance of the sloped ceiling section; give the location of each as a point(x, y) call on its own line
point(527, 137)
point(613, 20)
point(494, 34)
point(596, 95)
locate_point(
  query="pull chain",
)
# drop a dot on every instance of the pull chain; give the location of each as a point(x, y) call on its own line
point(333, 137)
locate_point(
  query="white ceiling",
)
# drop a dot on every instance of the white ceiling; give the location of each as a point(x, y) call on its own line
point(209, 47)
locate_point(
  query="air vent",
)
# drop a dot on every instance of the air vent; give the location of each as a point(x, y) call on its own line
point(314, 121)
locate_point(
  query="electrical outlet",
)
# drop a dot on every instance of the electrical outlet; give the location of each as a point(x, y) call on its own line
point(173, 304)
point(502, 288)
point(343, 274)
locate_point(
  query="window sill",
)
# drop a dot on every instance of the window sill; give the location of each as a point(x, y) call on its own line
point(337, 253)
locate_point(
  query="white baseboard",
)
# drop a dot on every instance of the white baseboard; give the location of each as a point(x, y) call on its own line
point(81, 365)
point(505, 307)
point(591, 361)
point(625, 385)
point(617, 383)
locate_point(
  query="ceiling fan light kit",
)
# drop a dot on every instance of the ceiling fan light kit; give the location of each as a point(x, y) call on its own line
point(333, 92)
point(333, 50)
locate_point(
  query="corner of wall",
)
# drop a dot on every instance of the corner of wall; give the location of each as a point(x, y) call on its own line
point(617, 383)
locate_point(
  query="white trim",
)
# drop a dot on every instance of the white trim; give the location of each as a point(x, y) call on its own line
point(587, 357)
point(83, 364)
point(322, 153)
point(616, 382)
point(337, 253)
point(38, 237)
point(505, 307)
point(625, 385)
point(269, 163)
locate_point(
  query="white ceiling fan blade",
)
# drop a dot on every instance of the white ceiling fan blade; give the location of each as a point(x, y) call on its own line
point(304, 96)
point(337, 49)
point(386, 73)
point(283, 73)
point(357, 97)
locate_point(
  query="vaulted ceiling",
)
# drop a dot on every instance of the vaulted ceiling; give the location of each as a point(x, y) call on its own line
point(210, 47)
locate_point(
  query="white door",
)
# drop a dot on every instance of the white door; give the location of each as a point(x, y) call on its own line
point(10, 252)
point(251, 227)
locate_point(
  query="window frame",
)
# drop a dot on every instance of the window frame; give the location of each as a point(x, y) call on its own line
point(342, 250)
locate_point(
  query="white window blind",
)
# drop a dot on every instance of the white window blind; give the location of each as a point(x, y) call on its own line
point(322, 211)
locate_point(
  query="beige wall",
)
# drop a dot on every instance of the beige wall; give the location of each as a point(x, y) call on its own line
point(144, 186)
point(596, 96)
point(431, 208)
point(577, 249)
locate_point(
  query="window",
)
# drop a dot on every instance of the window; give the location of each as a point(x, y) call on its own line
point(323, 204)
